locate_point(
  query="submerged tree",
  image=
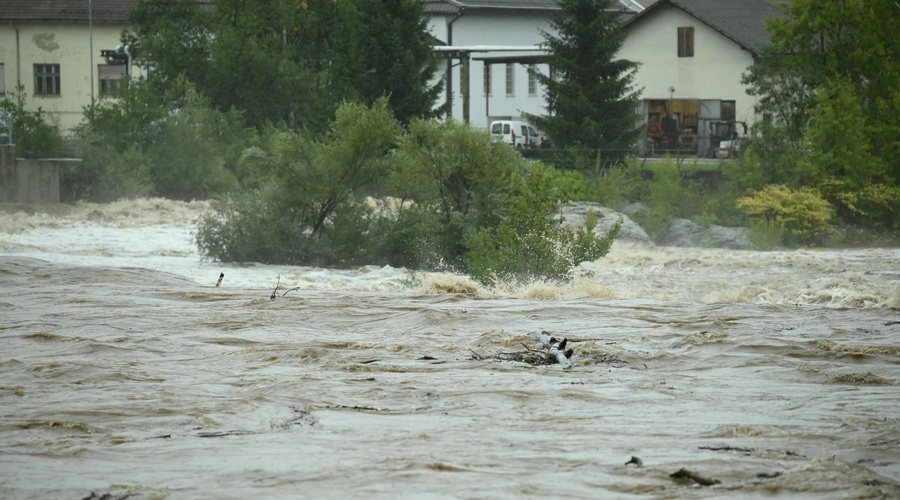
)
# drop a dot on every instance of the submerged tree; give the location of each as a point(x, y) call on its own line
point(591, 101)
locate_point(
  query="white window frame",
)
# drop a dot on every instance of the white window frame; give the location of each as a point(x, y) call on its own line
point(532, 80)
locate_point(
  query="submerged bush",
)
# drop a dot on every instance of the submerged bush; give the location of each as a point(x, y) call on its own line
point(528, 244)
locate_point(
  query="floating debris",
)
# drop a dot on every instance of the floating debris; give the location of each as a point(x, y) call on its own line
point(683, 474)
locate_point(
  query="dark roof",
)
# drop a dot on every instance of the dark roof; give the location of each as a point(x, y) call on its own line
point(71, 11)
point(454, 6)
point(743, 21)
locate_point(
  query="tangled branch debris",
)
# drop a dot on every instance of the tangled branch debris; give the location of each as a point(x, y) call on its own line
point(551, 351)
point(275, 291)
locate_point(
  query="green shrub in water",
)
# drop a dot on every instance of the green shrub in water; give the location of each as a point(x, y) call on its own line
point(528, 244)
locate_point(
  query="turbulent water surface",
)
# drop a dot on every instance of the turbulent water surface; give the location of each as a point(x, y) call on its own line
point(126, 372)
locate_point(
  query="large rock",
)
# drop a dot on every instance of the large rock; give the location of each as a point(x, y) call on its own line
point(684, 233)
point(574, 215)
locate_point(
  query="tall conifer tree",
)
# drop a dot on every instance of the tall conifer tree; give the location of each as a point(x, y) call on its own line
point(591, 102)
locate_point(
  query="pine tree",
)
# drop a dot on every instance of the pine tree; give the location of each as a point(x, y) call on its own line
point(399, 61)
point(591, 102)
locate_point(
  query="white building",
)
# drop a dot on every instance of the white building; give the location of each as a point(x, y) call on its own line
point(499, 41)
point(692, 55)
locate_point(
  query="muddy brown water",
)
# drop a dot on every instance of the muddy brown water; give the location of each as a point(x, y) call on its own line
point(126, 371)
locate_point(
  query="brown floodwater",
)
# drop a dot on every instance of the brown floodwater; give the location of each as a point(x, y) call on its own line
point(125, 371)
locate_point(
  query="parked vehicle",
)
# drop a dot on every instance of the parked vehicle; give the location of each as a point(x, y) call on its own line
point(517, 134)
point(726, 139)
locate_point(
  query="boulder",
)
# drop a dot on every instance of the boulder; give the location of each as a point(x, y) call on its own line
point(574, 215)
point(684, 233)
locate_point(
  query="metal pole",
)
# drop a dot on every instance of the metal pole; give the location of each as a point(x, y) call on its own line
point(91, 29)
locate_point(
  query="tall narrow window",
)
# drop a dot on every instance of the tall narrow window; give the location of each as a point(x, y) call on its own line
point(110, 77)
point(487, 78)
point(729, 113)
point(46, 79)
point(686, 42)
point(2, 79)
point(532, 80)
point(510, 79)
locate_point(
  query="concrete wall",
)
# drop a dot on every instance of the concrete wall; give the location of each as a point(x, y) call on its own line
point(27, 181)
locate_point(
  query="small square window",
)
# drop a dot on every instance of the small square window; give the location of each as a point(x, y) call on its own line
point(46, 79)
point(686, 42)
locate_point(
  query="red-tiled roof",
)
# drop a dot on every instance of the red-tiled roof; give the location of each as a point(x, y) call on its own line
point(101, 11)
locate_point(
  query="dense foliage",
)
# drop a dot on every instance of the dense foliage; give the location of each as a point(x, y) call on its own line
point(291, 62)
point(590, 98)
point(451, 200)
point(831, 84)
point(32, 134)
point(146, 143)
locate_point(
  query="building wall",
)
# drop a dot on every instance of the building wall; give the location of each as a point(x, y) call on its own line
point(714, 73)
point(24, 45)
point(496, 28)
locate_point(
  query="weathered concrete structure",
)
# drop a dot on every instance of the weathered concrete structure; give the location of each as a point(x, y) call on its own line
point(27, 181)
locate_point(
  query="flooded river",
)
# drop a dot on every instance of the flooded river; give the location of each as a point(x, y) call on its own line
point(125, 371)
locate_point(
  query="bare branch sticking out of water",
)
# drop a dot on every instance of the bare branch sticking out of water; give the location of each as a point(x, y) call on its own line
point(221, 276)
point(275, 291)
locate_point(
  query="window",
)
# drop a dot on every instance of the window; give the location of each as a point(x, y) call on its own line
point(686, 42)
point(532, 80)
point(728, 111)
point(2, 79)
point(510, 79)
point(110, 78)
point(46, 79)
point(487, 78)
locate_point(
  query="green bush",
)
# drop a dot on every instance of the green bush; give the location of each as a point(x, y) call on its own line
point(143, 143)
point(310, 212)
point(803, 214)
point(32, 134)
point(106, 174)
point(528, 244)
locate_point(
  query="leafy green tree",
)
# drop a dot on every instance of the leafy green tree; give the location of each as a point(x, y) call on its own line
point(303, 214)
point(590, 96)
point(144, 142)
point(458, 174)
point(291, 62)
point(830, 82)
point(32, 134)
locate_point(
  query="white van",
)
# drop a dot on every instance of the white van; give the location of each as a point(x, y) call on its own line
point(519, 135)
